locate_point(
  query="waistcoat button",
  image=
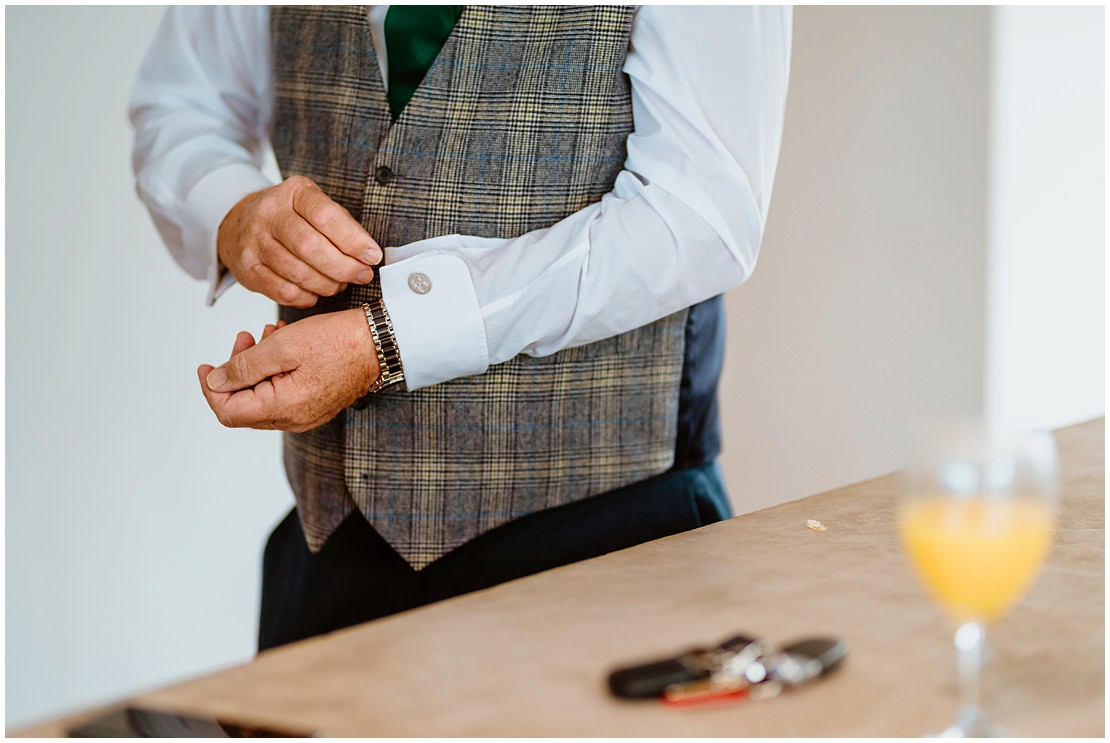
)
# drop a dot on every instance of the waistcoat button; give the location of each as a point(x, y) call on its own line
point(384, 175)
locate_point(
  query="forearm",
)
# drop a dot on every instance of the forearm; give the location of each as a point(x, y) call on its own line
point(607, 269)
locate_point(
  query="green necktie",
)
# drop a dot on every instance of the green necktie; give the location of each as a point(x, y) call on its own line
point(414, 35)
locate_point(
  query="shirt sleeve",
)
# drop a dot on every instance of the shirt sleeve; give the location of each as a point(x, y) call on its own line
point(200, 108)
point(683, 222)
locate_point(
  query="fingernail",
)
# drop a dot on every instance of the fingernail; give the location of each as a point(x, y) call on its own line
point(217, 378)
point(372, 256)
point(364, 277)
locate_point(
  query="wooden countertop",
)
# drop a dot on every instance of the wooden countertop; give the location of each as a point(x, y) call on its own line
point(530, 658)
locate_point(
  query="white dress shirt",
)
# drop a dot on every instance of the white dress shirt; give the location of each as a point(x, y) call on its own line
point(683, 222)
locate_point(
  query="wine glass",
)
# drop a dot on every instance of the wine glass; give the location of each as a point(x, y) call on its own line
point(977, 518)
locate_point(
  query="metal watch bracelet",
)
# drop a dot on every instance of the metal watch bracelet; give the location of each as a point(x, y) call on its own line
point(385, 344)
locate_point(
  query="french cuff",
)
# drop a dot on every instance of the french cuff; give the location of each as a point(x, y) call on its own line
point(436, 318)
point(209, 201)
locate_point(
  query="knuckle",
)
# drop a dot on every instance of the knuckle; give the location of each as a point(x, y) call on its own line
point(262, 226)
point(277, 344)
point(284, 224)
point(256, 229)
point(268, 210)
point(297, 181)
point(239, 367)
point(324, 212)
point(298, 273)
point(289, 295)
point(308, 247)
point(271, 196)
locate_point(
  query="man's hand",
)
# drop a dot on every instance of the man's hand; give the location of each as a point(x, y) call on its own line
point(299, 376)
point(294, 244)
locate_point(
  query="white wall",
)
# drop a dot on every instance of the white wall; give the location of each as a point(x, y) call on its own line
point(1047, 242)
point(134, 522)
point(866, 310)
point(935, 242)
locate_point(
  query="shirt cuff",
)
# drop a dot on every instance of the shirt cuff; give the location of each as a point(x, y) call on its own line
point(436, 317)
point(208, 202)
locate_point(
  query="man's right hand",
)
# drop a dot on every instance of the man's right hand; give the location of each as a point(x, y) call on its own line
point(294, 244)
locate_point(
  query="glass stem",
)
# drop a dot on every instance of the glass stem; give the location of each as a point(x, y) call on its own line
point(970, 642)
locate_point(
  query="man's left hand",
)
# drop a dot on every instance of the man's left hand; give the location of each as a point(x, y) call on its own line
point(297, 377)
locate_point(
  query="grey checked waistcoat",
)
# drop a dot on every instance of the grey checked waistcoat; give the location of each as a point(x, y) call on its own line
point(520, 121)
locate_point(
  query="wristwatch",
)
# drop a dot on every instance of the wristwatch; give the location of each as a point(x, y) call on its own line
point(385, 344)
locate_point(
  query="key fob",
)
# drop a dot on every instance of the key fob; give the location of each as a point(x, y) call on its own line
point(826, 651)
point(651, 679)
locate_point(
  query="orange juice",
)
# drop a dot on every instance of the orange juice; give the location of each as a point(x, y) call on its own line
point(976, 555)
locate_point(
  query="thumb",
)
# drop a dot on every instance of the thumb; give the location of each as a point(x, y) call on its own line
point(247, 368)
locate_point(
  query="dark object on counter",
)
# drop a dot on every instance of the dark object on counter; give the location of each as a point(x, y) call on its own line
point(652, 679)
point(138, 722)
point(738, 664)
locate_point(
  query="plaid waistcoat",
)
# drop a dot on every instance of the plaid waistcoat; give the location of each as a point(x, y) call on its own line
point(520, 121)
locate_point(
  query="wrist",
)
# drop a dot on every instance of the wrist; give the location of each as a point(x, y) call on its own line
point(364, 358)
point(210, 202)
point(229, 229)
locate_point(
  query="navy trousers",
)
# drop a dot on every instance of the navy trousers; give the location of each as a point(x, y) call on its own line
point(357, 576)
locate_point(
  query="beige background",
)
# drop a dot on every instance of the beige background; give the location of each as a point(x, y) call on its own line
point(866, 309)
point(935, 244)
point(134, 523)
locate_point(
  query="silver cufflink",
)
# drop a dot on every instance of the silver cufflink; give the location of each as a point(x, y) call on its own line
point(420, 283)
